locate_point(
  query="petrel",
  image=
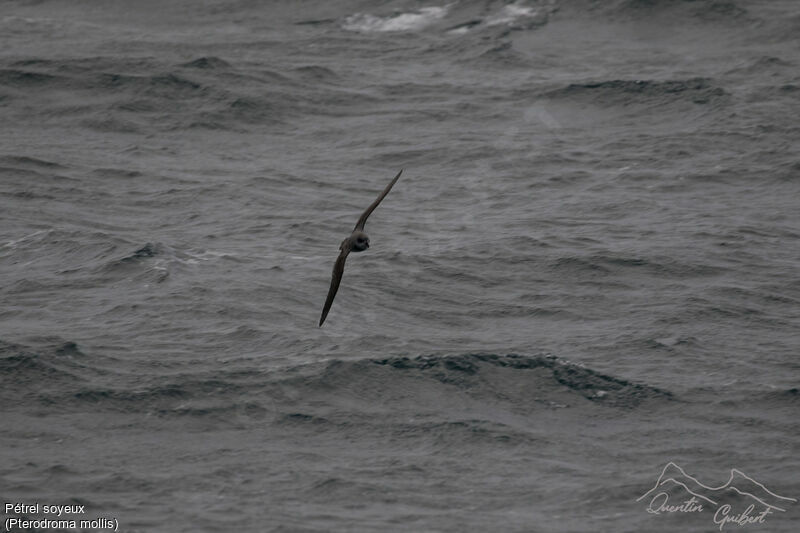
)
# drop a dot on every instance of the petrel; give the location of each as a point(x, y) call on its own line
point(358, 241)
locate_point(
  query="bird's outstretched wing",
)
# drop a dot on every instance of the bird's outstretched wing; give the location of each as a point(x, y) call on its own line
point(338, 270)
point(370, 209)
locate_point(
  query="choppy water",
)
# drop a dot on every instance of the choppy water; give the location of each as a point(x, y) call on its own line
point(588, 269)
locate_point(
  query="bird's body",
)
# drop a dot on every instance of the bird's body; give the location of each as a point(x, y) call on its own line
point(358, 241)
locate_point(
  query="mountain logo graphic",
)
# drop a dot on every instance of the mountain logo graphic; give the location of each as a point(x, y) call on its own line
point(741, 499)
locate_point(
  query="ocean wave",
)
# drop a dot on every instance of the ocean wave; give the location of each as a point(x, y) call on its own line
point(544, 380)
point(25, 79)
point(316, 73)
point(315, 393)
point(519, 15)
point(409, 21)
point(28, 371)
point(22, 161)
point(31, 256)
point(456, 18)
point(221, 399)
point(150, 263)
point(628, 92)
point(207, 62)
point(589, 384)
point(206, 93)
point(764, 65)
point(690, 11)
point(703, 9)
point(608, 264)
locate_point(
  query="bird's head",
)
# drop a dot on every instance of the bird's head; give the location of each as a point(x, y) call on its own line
point(360, 241)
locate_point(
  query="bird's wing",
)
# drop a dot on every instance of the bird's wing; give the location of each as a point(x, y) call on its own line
point(338, 270)
point(370, 209)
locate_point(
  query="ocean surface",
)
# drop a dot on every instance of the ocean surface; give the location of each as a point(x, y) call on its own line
point(586, 277)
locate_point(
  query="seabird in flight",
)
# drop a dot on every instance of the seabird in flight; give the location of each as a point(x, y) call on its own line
point(358, 241)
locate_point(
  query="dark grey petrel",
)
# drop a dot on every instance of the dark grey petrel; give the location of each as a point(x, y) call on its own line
point(358, 241)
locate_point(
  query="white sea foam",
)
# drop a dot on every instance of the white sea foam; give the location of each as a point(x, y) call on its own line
point(414, 20)
point(461, 30)
point(507, 15)
point(511, 13)
point(13, 244)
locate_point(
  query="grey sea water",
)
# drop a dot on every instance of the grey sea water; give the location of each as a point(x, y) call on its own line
point(588, 270)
